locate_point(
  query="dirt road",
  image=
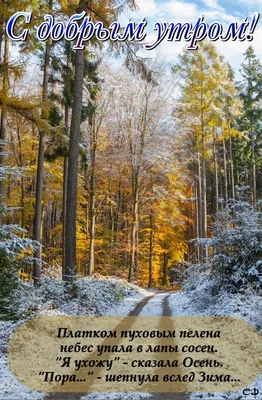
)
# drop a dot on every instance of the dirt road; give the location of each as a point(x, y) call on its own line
point(154, 305)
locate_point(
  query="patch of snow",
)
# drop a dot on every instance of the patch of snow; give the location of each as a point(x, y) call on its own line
point(154, 306)
point(10, 388)
point(126, 305)
point(87, 297)
point(116, 396)
point(244, 306)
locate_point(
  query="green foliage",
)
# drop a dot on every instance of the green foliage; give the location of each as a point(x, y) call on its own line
point(236, 247)
point(9, 281)
point(250, 90)
point(15, 252)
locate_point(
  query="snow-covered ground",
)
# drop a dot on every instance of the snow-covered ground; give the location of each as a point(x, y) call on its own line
point(89, 297)
point(244, 306)
point(154, 306)
point(115, 297)
point(116, 396)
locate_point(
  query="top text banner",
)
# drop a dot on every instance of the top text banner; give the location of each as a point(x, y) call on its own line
point(80, 29)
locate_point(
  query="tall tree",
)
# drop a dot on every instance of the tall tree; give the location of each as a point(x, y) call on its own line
point(250, 93)
point(201, 74)
point(40, 163)
point(71, 195)
point(107, 11)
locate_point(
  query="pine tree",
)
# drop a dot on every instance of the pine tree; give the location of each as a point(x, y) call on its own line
point(250, 93)
point(202, 75)
point(107, 11)
point(16, 250)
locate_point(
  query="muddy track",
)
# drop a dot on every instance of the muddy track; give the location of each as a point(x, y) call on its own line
point(166, 311)
point(76, 396)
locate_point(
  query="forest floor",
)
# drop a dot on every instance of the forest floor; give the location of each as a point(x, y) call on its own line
point(134, 302)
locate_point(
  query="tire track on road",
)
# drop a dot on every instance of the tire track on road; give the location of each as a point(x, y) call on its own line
point(167, 312)
point(77, 395)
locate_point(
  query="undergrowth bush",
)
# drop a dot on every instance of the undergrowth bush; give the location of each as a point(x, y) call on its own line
point(235, 252)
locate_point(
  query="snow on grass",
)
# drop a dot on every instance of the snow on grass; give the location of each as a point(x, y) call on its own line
point(244, 306)
point(10, 388)
point(116, 396)
point(86, 296)
point(108, 296)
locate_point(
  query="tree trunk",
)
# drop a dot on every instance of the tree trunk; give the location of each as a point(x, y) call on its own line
point(165, 267)
point(1, 34)
point(225, 173)
point(67, 83)
point(22, 204)
point(71, 198)
point(3, 112)
point(199, 193)
point(40, 169)
point(204, 208)
point(232, 168)
point(254, 182)
point(137, 246)
point(203, 248)
point(20, 163)
point(65, 178)
point(92, 210)
point(199, 206)
point(134, 227)
point(151, 255)
point(220, 174)
point(119, 213)
point(38, 207)
point(216, 174)
point(197, 220)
